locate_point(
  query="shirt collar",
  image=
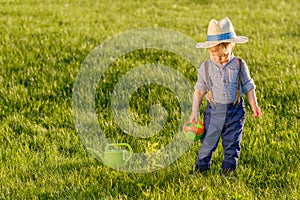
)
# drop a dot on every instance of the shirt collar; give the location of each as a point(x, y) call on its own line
point(220, 65)
point(230, 59)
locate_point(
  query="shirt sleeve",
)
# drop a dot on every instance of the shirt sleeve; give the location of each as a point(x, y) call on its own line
point(201, 83)
point(247, 81)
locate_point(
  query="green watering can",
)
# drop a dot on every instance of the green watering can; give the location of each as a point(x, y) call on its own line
point(113, 157)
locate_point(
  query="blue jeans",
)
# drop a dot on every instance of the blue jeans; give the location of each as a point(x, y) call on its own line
point(224, 121)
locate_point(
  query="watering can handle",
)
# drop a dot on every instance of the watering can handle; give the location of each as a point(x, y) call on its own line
point(121, 144)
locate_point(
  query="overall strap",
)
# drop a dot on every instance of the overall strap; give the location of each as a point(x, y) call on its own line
point(209, 92)
point(238, 86)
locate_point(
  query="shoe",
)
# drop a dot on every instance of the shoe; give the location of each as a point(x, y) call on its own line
point(228, 171)
point(198, 171)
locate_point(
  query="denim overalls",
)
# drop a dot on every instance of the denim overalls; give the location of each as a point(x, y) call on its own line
point(224, 121)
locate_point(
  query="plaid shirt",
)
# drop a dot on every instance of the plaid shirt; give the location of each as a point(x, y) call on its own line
point(224, 80)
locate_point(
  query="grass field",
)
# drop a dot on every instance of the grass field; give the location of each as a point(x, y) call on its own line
point(42, 47)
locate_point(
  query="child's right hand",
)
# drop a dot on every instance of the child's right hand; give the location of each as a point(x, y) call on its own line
point(193, 117)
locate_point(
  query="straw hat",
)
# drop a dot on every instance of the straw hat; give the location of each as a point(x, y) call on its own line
point(219, 32)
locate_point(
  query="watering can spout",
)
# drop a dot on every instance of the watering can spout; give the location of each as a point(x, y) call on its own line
point(95, 153)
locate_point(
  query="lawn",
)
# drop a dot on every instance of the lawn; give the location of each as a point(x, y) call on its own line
point(45, 45)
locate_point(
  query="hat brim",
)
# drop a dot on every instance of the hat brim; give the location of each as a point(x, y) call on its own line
point(209, 44)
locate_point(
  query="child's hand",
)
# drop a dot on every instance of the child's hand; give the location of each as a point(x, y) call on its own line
point(193, 117)
point(253, 103)
point(256, 111)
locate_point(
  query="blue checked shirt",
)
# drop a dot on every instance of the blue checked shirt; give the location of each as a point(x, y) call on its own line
point(224, 80)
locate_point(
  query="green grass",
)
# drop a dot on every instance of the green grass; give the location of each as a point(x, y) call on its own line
point(42, 47)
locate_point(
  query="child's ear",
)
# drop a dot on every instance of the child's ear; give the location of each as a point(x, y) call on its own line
point(232, 47)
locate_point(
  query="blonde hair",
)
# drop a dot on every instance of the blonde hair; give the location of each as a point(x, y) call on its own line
point(225, 47)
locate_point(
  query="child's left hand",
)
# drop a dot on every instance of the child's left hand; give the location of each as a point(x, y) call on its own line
point(256, 111)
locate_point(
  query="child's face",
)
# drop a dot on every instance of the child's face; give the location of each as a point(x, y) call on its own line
point(219, 56)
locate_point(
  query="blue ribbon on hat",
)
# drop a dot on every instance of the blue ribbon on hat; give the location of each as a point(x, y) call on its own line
point(224, 36)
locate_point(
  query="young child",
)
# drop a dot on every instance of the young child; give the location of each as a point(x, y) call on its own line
point(223, 79)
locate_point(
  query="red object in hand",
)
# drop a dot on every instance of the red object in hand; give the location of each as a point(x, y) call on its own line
point(193, 130)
